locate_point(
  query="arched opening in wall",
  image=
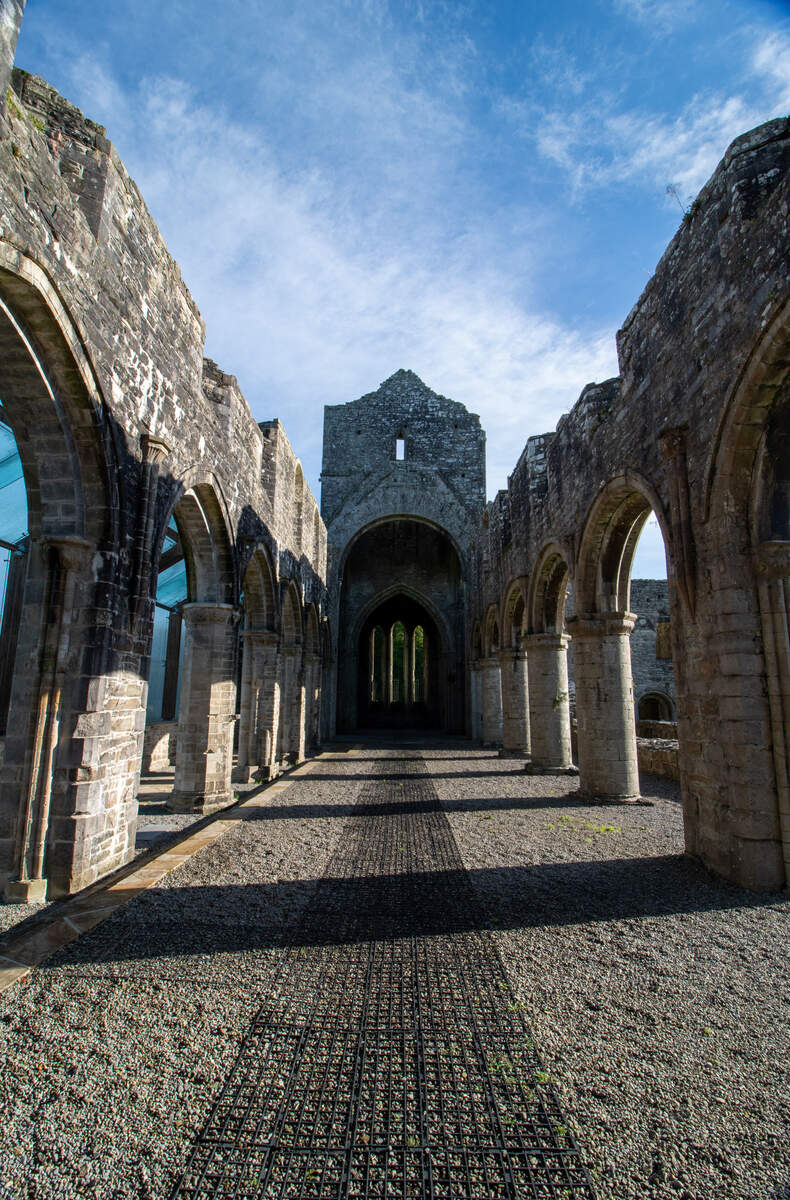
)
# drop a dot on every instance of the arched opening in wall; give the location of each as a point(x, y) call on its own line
point(259, 691)
point(194, 661)
point(58, 514)
point(13, 559)
point(398, 655)
point(622, 642)
point(408, 571)
point(655, 706)
point(292, 679)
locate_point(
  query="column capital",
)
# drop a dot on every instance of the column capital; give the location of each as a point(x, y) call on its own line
point(198, 613)
point(545, 641)
point(597, 625)
point(73, 551)
point(491, 661)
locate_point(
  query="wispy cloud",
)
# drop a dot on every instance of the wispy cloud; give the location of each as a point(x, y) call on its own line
point(335, 291)
point(611, 142)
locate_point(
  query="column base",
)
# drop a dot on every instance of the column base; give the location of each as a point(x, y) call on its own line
point(198, 804)
point(246, 774)
point(593, 798)
point(506, 753)
point(533, 768)
point(26, 891)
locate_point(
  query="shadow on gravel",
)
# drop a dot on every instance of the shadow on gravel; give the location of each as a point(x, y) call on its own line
point(225, 919)
point(280, 812)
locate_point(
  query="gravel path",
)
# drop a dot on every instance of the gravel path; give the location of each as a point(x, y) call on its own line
point(658, 996)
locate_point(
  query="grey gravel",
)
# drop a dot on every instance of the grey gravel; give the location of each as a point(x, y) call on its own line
point(658, 995)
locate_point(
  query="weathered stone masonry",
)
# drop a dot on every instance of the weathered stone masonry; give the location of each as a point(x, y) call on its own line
point(696, 429)
point(412, 602)
point(122, 424)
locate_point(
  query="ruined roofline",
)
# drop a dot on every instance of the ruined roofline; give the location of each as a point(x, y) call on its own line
point(405, 374)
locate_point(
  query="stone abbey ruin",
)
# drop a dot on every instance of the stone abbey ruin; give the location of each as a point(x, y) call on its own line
point(174, 595)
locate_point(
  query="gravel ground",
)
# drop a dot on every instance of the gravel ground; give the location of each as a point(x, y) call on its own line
point(113, 1050)
point(659, 995)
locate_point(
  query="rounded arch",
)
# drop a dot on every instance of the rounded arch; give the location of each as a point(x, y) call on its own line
point(652, 705)
point(514, 612)
point(492, 643)
point(292, 632)
point(259, 592)
point(312, 639)
point(742, 423)
point(548, 589)
point(609, 538)
point(48, 386)
point(204, 530)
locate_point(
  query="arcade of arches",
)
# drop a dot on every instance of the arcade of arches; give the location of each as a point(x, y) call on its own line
point(173, 599)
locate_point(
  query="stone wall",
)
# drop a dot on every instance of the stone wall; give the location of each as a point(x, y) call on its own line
point(121, 422)
point(690, 430)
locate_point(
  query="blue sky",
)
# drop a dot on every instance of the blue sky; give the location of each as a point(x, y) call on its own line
point(475, 191)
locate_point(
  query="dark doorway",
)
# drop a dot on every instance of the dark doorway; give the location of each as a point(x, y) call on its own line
point(397, 668)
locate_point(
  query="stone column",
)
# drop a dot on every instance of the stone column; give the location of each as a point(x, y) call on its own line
point(204, 755)
point(491, 701)
point(515, 703)
point(292, 703)
point(605, 706)
point(268, 718)
point(476, 701)
point(69, 561)
point(549, 707)
point(256, 719)
point(312, 703)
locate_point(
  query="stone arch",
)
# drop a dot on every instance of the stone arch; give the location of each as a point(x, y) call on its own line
point(652, 705)
point(291, 629)
point(199, 511)
point(513, 614)
point(312, 642)
point(404, 589)
point(548, 590)
point(292, 679)
point(259, 592)
point(748, 520)
point(492, 640)
point(55, 409)
point(611, 531)
point(419, 519)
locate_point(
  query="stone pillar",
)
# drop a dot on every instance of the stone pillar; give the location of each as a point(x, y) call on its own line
point(204, 755)
point(408, 694)
point(515, 703)
point(69, 561)
point(491, 701)
point(10, 21)
point(267, 726)
point(476, 701)
point(292, 723)
point(388, 667)
point(312, 702)
point(549, 707)
point(259, 699)
point(605, 706)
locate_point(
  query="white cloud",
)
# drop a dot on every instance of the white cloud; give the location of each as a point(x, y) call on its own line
point(606, 143)
point(310, 299)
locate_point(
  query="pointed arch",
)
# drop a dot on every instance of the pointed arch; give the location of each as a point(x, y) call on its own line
point(291, 632)
point(259, 593)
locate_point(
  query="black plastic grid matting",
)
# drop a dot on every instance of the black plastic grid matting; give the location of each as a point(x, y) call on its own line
point(391, 1059)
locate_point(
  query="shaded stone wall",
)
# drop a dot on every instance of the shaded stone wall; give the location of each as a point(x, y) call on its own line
point(439, 484)
point(120, 421)
point(684, 431)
